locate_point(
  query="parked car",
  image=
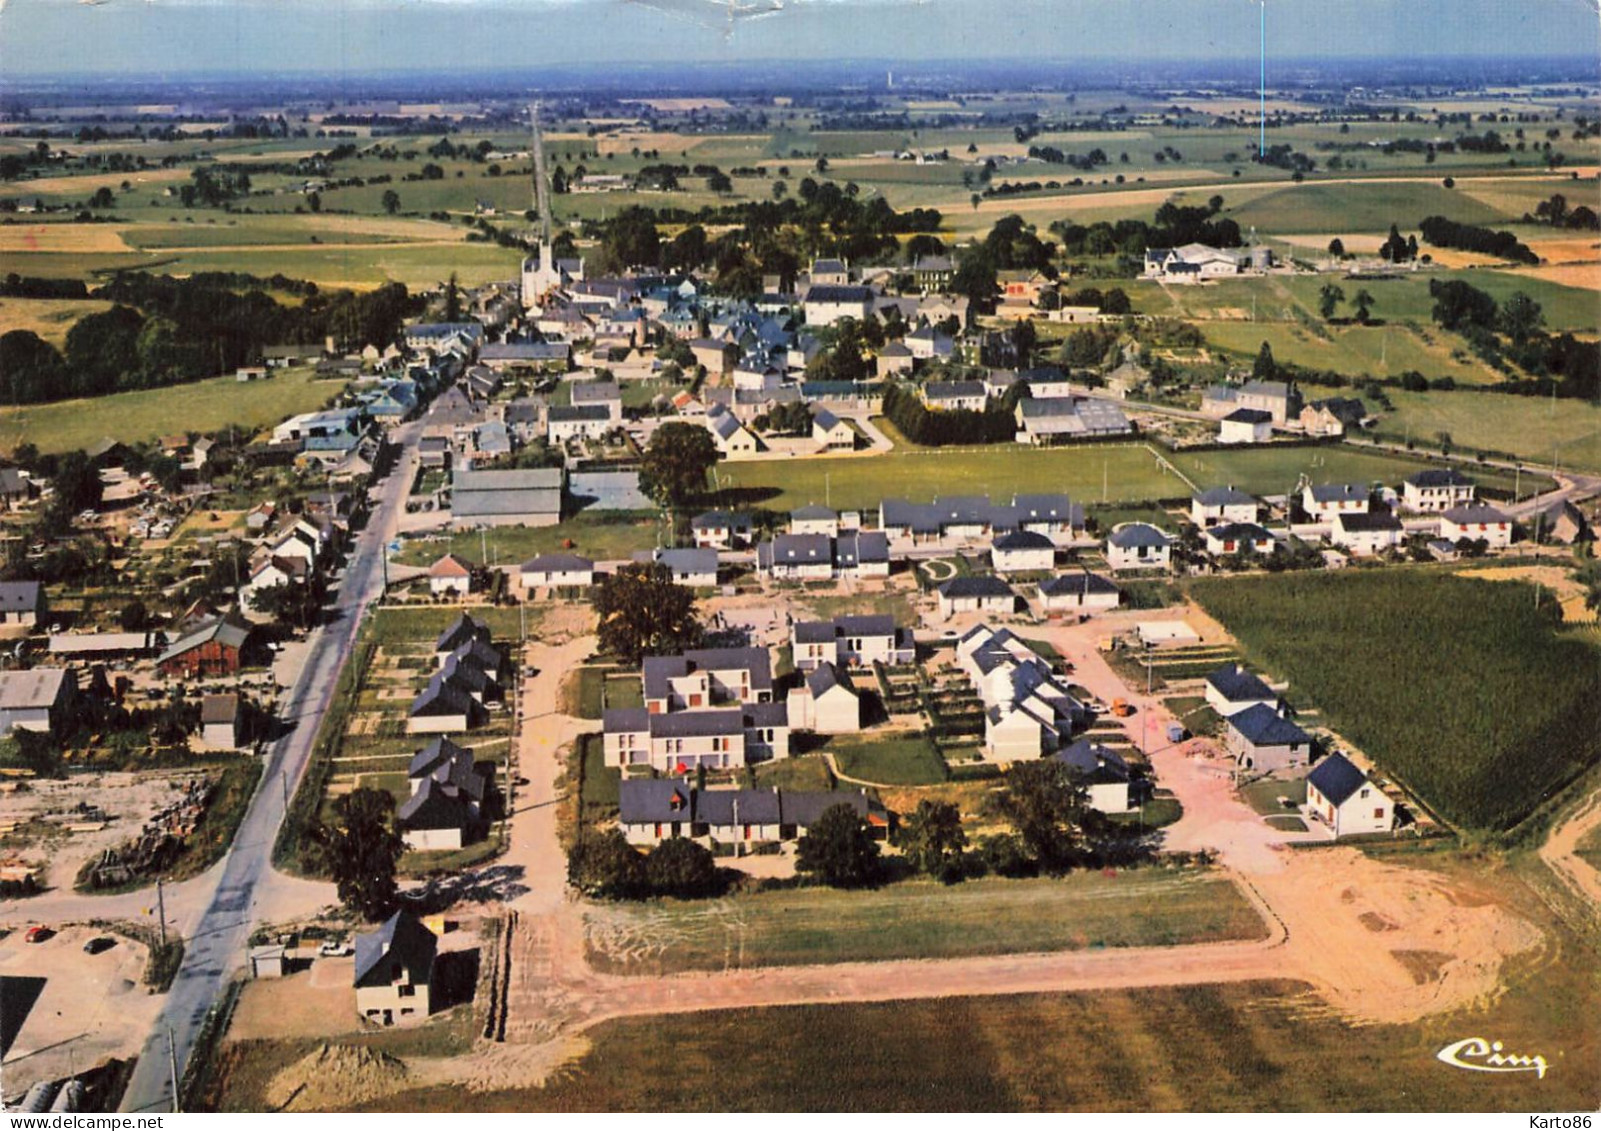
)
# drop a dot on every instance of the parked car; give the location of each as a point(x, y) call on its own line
point(335, 949)
point(38, 934)
point(99, 944)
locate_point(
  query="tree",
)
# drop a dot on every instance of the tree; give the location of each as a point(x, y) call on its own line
point(719, 182)
point(363, 849)
point(102, 199)
point(291, 604)
point(1328, 298)
point(1045, 805)
point(452, 300)
point(391, 201)
point(674, 468)
point(77, 488)
point(1265, 368)
point(134, 617)
point(31, 369)
point(839, 849)
point(682, 868)
point(644, 613)
point(314, 201)
point(1337, 247)
point(976, 279)
point(1520, 318)
point(631, 239)
point(1364, 306)
point(606, 866)
point(932, 838)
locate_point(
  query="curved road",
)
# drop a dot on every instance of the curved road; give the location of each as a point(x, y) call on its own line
point(218, 940)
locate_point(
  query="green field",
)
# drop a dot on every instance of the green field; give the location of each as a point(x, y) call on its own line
point(602, 536)
point(1458, 687)
point(1344, 209)
point(1532, 427)
point(1131, 474)
point(1357, 351)
point(905, 760)
point(919, 919)
point(202, 406)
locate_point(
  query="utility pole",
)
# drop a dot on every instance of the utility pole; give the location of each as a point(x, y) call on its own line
point(283, 780)
point(161, 912)
point(172, 1068)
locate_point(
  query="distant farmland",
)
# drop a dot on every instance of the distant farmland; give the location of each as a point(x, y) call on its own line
point(1459, 687)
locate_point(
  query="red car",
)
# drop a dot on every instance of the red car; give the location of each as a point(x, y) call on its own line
point(38, 934)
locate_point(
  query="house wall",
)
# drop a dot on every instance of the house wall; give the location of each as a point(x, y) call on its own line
point(437, 724)
point(25, 718)
point(1095, 602)
point(1139, 557)
point(535, 580)
point(1109, 797)
point(219, 736)
point(403, 1003)
point(1265, 759)
point(1014, 738)
point(432, 840)
point(1023, 561)
point(1497, 534)
point(837, 712)
point(209, 659)
point(1204, 516)
point(460, 586)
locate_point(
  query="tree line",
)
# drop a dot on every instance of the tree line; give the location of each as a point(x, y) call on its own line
point(943, 428)
point(164, 331)
point(1438, 231)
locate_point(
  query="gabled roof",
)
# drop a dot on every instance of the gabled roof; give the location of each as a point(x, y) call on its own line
point(1337, 492)
point(1261, 725)
point(218, 708)
point(1439, 477)
point(737, 806)
point(643, 801)
point(1094, 763)
point(720, 520)
point(1336, 778)
point(34, 688)
point(840, 294)
point(1223, 497)
point(1237, 685)
point(1249, 416)
point(1239, 532)
point(1474, 513)
point(462, 630)
point(401, 939)
point(19, 596)
point(825, 677)
point(1375, 520)
point(813, 512)
point(558, 563)
point(451, 565)
point(434, 806)
point(442, 697)
point(954, 390)
point(222, 630)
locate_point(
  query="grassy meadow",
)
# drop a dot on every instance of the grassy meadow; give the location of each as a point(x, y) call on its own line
point(920, 920)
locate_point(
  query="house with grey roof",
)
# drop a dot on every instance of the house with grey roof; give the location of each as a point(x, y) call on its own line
point(721, 530)
point(1027, 710)
point(652, 810)
point(947, 396)
point(22, 603)
point(577, 422)
point(1138, 545)
point(557, 571)
point(394, 970)
point(1238, 538)
point(1222, 504)
point(1078, 593)
point(1261, 740)
point(1110, 786)
point(1436, 489)
point(981, 594)
point(814, 519)
point(1022, 551)
point(694, 567)
point(826, 702)
point(1231, 689)
point(448, 788)
point(1366, 534)
point(37, 699)
point(1245, 426)
point(1324, 501)
point(850, 641)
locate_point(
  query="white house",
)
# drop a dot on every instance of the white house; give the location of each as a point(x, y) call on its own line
point(574, 422)
point(695, 568)
point(730, 435)
point(1231, 689)
point(1367, 534)
point(1323, 501)
point(831, 433)
point(1222, 504)
point(549, 571)
point(976, 595)
point(1344, 799)
point(854, 641)
point(1138, 545)
point(828, 304)
point(826, 702)
point(721, 530)
point(1475, 522)
point(1237, 537)
point(451, 575)
point(951, 395)
point(1436, 489)
point(1245, 426)
point(1027, 711)
point(1083, 592)
point(1108, 784)
point(814, 519)
point(1023, 551)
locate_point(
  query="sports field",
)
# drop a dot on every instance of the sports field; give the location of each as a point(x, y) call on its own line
point(1117, 473)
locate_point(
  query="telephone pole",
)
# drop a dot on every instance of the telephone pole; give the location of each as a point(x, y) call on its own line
point(172, 1068)
point(161, 913)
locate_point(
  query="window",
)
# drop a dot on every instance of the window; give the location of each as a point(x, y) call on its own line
point(1365, 792)
point(408, 991)
point(1378, 814)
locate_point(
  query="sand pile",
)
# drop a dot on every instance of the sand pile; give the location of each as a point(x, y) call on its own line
point(336, 1077)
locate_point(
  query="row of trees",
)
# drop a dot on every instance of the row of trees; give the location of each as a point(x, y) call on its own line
point(1441, 232)
point(905, 410)
point(1172, 226)
point(164, 330)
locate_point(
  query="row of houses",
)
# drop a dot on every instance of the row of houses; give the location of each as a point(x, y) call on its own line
point(651, 810)
point(469, 676)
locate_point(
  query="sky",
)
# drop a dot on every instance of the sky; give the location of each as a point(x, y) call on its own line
point(39, 38)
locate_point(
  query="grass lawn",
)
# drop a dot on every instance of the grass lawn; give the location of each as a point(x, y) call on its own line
point(602, 536)
point(599, 795)
point(806, 772)
point(1531, 427)
point(1263, 796)
point(1159, 812)
point(207, 406)
point(903, 760)
point(1476, 703)
point(920, 920)
point(421, 626)
point(1132, 474)
point(1350, 208)
point(1359, 351)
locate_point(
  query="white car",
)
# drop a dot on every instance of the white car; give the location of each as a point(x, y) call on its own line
point(336, 950)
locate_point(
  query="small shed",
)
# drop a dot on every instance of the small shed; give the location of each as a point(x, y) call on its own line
point(270, 961)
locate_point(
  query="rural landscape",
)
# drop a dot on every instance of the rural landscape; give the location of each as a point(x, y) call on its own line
point(1043, 578)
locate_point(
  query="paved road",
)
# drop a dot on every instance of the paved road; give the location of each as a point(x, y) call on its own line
point(218, 941)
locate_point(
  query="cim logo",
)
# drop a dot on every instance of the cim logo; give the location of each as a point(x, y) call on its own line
point(1479, 1055)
